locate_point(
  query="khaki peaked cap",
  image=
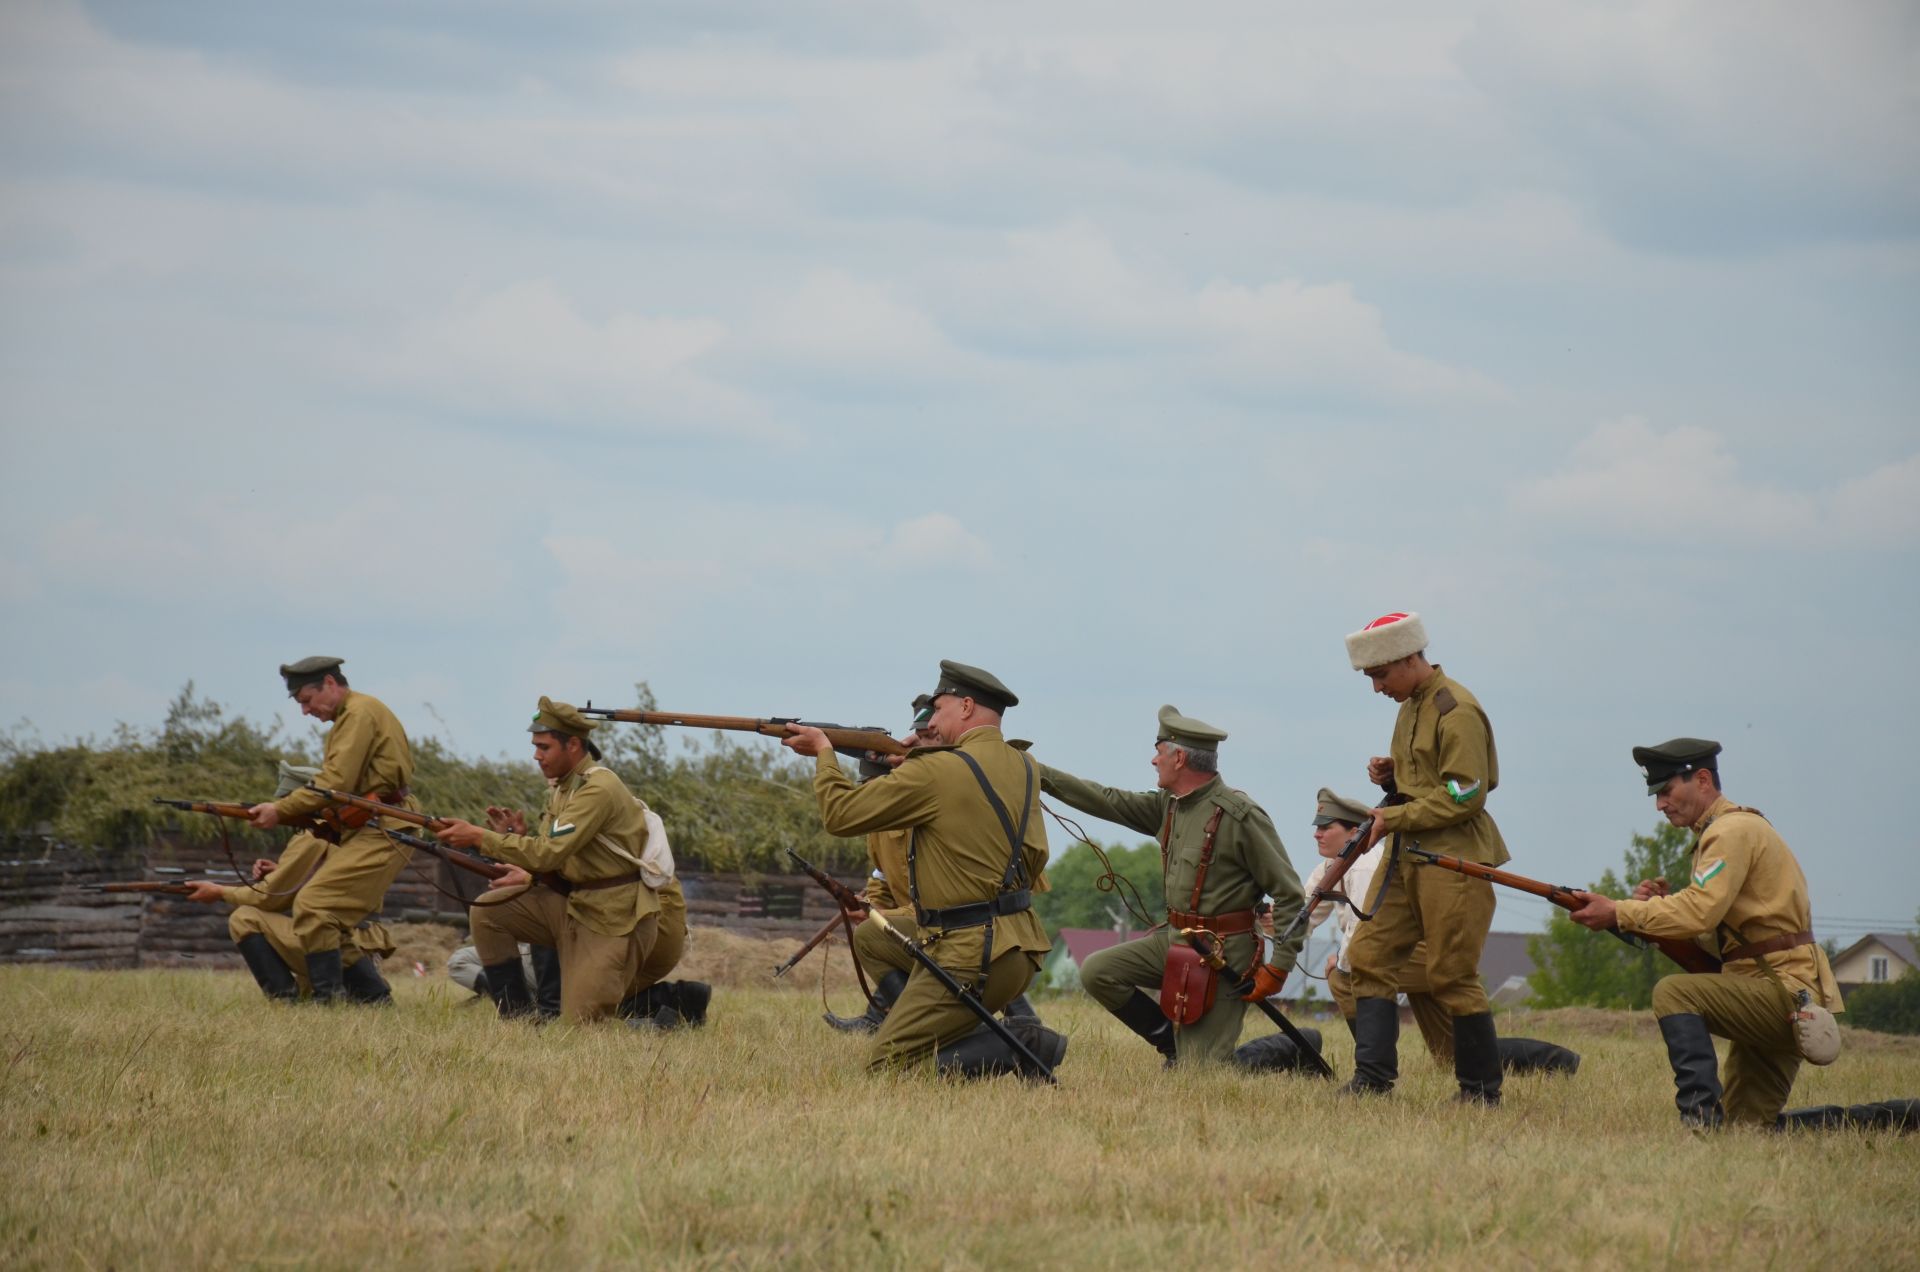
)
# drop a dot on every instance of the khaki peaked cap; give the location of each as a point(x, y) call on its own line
point(560, 717)
point(1329, 807)
point(309, 671)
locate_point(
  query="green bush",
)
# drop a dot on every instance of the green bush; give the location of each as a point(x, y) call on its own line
point(1892, 1007)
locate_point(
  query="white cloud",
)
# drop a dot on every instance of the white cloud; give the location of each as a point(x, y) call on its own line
point(1626, 478)
point(1069, 290)
point(527, 350)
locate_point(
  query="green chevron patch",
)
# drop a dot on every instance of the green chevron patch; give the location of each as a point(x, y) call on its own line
point(1700, 880)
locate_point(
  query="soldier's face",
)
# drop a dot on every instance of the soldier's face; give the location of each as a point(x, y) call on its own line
point(554, 756)
point(1684, 800)
point(1394, 679)
point(1166, 765)
point(949, 720)
point(1331, 838)
point(321, 701)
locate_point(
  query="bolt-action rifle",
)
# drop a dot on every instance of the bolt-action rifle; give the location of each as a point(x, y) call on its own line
point(846, 739)
point(814, 942)
point(1031, 1064)
point(326, 824)
point(170, 889)
point(1689, 956)
point(1337, 867)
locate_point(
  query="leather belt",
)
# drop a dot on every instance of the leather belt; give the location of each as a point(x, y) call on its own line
point(566, 887)
point(1772, 945)
point(966, 916)
point(1232, 923)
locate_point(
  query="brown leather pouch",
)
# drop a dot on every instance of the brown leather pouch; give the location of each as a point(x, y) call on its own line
point(1187, 985)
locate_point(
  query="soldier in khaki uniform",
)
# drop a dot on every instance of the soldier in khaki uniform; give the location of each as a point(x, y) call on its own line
point(651, 997)
point(1335, 819)
point(1748, 905)
point(1443, 766)
point(366, 752)
point(1219, 854)
point(262, 928)
point(880, 955)
point(977, 844)
point(591, 904)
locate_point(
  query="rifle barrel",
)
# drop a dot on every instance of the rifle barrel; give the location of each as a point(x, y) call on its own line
point(1689, 956)
point(843, 737)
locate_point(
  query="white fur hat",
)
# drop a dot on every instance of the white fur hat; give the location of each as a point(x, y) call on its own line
point(1386, 639)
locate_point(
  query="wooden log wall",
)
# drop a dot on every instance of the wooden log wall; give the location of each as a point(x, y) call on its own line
point(50, 914)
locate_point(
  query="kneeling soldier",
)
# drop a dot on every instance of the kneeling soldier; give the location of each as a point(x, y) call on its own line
point(977, 844)
point(590, 904)
point(1748, 905)
point(1219, 853)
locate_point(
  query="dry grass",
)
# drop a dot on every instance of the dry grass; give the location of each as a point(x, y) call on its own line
point(174, 1119)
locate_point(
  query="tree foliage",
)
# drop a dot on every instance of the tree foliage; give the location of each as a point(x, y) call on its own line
point(1890, 1007)
point(1575, 966)
point(728, 805)
point(1074, 900)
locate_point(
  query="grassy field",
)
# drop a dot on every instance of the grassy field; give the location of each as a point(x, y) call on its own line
point(175, 1119)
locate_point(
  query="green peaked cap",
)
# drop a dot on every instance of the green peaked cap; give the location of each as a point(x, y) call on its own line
point(970, 682)
point(1194, 734)
point(1661, 764)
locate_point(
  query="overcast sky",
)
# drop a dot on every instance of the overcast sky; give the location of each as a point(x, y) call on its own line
point(772, 351)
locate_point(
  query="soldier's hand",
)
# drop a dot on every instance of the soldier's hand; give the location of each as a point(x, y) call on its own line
point(204, 891)
point(1333, 961)
point(514, 878)
point(262, 867)
point(806, 740)
point(451, 830)
point(1650, 888)
point(263, 817)
point(1598, 912)
point(1376, 830)
point(508, 821)
point(1380, 770)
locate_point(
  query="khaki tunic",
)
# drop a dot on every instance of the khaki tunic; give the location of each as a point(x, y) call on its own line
point(670, 941)
point(1249, 862)
point(1747, 886)
point(592, 828)
point(1442, 733)
point(366, 752)
point(959, 856)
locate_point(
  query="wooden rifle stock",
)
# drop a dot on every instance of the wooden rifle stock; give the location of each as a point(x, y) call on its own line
point(171, 889)
point(460, 858)
point(845, 739)
point(1689, 956)
point(323, 825)
point(367, 809)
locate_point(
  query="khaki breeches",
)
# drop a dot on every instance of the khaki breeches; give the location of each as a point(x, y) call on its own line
point(247, 920)
point(668, 946)
point(926, 1017)
point(879, 953)
point(1755, 1016)
point(595, 970)
point(1450, 912)
point(349, 885)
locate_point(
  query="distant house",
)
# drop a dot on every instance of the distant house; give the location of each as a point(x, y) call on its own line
point(1874, 959)
point(1505, 965)
point(1071, 946)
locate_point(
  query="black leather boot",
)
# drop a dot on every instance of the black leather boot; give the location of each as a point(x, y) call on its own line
point(546, 981)
point(1476, 1059)
point(1277, 1053)
point(885, 994)
point(364, 983)
point(507, 985)
point(1142, 1015)
point(1376, 1047)
point(1019, 1007)
point(1886, 1115)
point(269, 969)
point(323, 973)
point(1825, 1117)
point(1530, 1055)
point(1696, 1071)
point(982, 1053)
